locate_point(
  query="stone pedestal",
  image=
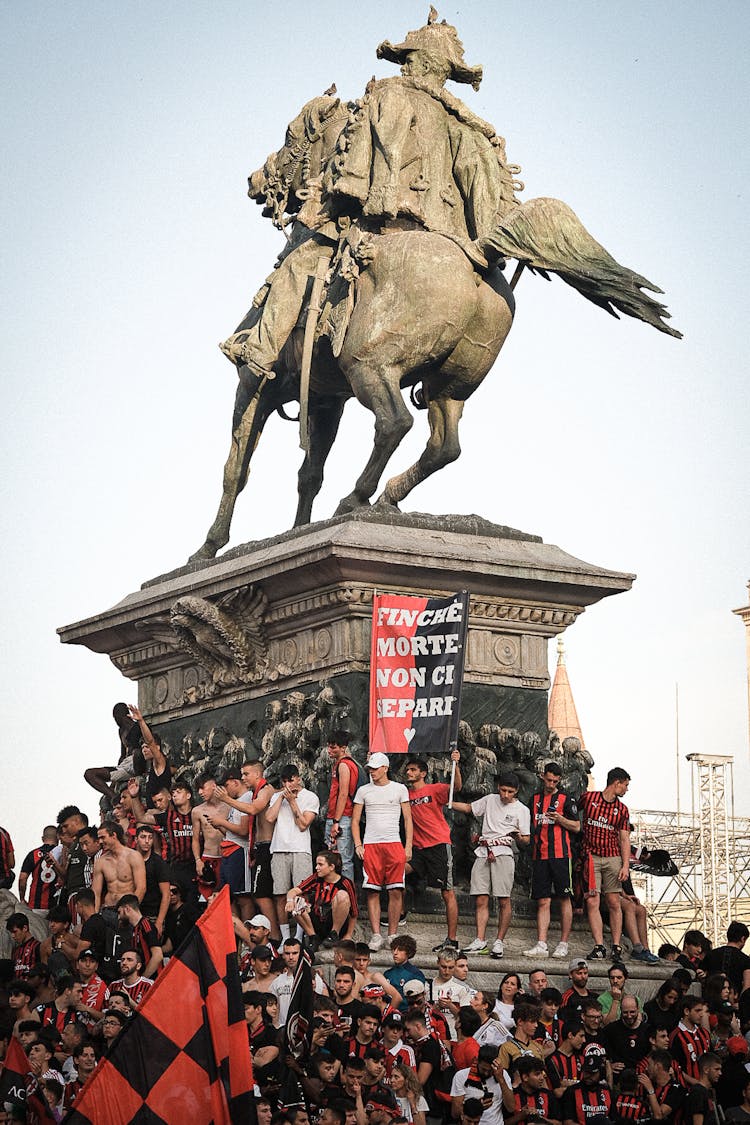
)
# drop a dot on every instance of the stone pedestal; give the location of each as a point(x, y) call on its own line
point(268, 646)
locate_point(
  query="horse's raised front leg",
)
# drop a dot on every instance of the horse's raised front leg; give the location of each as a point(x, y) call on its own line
point(247, 425)
point(324, 419)
point(380, 392)
point(444, 414)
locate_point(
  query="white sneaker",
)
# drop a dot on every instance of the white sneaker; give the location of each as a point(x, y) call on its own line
point(375, 943)
point(497, 949)
point(538, 950)
point(561, 950)
point(391, 938)
point(477, 946)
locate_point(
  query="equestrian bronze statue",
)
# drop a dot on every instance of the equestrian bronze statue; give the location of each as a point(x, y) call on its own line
point(401, 213)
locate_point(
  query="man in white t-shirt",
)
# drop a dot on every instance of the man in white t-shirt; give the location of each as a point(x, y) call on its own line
point(281, 987)
point(505, 822)
point(481, 1084)
point(383, 856)
point(291, 811)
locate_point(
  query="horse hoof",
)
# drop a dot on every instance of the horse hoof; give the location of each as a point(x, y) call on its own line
point(204, 552)
point(350, 503)
point(383, 501)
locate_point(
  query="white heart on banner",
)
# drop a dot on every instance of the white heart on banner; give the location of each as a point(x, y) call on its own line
point(409, 733)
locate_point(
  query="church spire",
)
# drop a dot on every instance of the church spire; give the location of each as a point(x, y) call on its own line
point(562, 716)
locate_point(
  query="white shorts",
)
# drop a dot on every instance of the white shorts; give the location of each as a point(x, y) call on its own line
point(289, 869)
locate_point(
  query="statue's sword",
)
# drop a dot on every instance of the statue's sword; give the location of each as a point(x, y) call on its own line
point(313, 312)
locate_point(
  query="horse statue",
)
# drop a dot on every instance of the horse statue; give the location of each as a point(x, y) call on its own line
point(405, 307)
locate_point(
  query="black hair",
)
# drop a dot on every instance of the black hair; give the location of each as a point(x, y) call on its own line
point(468, 1020)
point(551, 996)
point(737, 931)
point(553, 767)
point(339, 738)
point(617, 773)
point(289, 771)
point(420, 763)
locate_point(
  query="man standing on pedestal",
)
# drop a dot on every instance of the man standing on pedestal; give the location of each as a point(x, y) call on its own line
point(432, 859)
point(606, 851)
point(344, 781)
point(291, 811)
point(383, 856)
point(554, 817)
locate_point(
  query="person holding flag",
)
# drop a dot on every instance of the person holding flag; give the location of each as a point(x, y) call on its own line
point(432, 857)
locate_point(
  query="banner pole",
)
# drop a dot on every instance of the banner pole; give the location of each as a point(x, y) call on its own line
point(453, 782)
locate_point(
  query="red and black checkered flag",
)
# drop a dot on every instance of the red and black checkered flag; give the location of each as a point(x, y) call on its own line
point(185, 1056)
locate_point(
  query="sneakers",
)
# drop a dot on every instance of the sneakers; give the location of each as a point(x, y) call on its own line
point(497, 950)
point(477, 946)
point(646, 956)
point(375, 943)
point(448, 943)
point(617, 953)
point(561, 950)
point(538, 950)
point(598, 953)
point(403, 918)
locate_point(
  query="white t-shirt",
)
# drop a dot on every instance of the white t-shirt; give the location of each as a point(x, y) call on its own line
point(383, 810)
point(234, 816)
point(498, 821)
point(286, 835)
point(491, 1032)
point(405, 1107)
point(281, 987)
point(491, 1116)
point(457, 993)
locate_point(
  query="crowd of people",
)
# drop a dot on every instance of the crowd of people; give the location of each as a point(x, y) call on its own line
point(388, 1044)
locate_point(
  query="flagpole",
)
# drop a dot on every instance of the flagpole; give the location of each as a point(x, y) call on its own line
point(453, 782)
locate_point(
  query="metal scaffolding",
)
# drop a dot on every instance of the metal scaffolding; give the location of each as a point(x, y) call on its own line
point(711, 848)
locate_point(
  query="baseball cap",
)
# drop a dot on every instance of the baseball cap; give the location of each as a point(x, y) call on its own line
point(393, 1019)
point(578, 963)
point(376, 760)
point(737, 1045)
point(414, 988)
point(261, 953)
point(87, 953)
point(260, 920)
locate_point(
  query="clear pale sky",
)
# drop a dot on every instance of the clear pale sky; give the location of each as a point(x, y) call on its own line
point(130, 249)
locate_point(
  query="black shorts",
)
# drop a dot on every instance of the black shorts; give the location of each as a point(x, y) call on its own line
point(434, 866)
point(552, 878)
point(261, 879)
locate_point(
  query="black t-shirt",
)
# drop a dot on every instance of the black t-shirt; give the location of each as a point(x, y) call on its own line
point(74, 876)
point(156, 872)
point(624, 1044)
point(701, 1101)
point(155, 782)
point(94, 933)
point(657, 1017)
point(738, 1116)
point(727, 959)
point(428, 1051)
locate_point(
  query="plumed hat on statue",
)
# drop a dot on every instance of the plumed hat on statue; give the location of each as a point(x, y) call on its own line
point(440, 39)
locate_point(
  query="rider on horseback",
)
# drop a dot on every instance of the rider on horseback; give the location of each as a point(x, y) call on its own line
point(411, 153)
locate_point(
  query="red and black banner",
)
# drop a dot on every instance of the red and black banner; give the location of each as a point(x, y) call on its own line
point(185, 1056)
point(297, 1031)
point(416, 671)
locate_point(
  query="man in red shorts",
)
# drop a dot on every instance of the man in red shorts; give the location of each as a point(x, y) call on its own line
point(432, 860)
point(383, 856)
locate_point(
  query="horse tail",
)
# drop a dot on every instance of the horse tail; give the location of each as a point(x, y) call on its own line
point(548, 237)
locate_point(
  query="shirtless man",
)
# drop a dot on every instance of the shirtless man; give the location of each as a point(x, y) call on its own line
point(261, 831)
point(207, 837)
point(117, 871)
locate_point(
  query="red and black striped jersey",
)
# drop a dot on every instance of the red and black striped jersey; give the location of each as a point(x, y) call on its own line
point(560, 1066)
point(145, 938)
point(26, 956)
point(587, 1104)
point(401, 1053)
point(550, 840)
point(43, 880)
point(178, 832)
point(631, 1107)
point(602, 823)
point(319, 893)
point(51, 1016)
point(539, 1101)
point(687, 1046)
point(135, 991)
